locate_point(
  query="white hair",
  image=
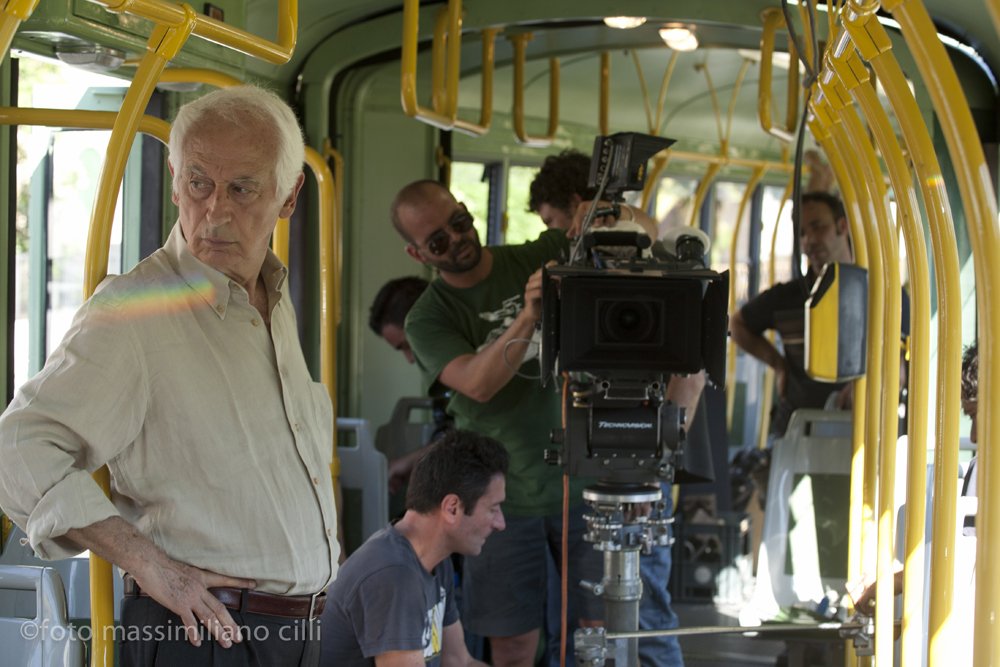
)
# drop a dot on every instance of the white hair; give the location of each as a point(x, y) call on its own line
point(242, 105)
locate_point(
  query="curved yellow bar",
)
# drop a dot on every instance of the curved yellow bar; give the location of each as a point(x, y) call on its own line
point(857, 518)
point(854, 75)
point(198, 75)
point(876, 299)
point(980, 203)
point(755, 178)
point(486, 93)
point(87, 120)
point(279, 240)
point(660, 162)
point(768, 392)
point(890, 375)
point(604, 101)
point(338, 239)
point(773, 19)
point(408, 77)
point(167, 13)
point(699, 196)
point(520, 43)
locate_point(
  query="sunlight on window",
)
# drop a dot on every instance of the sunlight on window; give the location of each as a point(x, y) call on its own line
point(522, 226)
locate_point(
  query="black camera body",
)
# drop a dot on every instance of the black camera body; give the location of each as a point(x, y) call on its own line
point(620, 328)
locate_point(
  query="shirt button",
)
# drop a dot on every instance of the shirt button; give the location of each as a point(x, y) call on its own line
point(316, 480)
point(297, 427)
point(329, 532)
point(219, 308)
point(256, 321)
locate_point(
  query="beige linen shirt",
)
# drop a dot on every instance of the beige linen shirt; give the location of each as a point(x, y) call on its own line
point(218, 441)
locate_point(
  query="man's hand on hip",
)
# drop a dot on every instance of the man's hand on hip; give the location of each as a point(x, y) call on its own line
point(181, 588)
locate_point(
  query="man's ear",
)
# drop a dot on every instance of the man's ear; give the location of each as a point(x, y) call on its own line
point(574, 202)
point(451, 508)
point(414, 252)
point(289, 206)
point(842, 226)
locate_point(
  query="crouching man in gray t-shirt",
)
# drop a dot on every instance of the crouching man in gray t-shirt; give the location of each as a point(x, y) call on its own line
point(393, 601)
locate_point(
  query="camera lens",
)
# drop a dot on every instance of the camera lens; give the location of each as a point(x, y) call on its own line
point(629, 322)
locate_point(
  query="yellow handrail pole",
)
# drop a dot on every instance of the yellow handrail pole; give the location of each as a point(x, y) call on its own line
point(605, 95)
point(663, 92)
point(732, 98)
point(660, 162)
point(854, 75)
point(874, 44)
point(979, 200)
point(198, 75)
point(164, 12)
point(645, 91)
point(439, 57)
point(876, 300)
point(890, 373)
point(163, 45)
point(751, 187)
point(486, 95)
point(85, 120)
point(773, 19)
point(857, 517)
point(408, 71)
point(13, 13)
point(703, 186)
point(520, 43)
point(279, 240)
point(768, 391)
point(454, 55)
point(994, 8)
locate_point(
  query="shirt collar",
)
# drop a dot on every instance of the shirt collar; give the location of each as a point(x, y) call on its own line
point(211, 284)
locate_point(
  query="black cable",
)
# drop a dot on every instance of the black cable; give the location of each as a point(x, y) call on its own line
point(797, 194)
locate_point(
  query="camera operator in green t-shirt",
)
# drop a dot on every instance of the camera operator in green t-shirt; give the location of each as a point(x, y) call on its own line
point(472, 331)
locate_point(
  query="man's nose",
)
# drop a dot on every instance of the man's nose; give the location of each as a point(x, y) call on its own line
point(498, 522)
point(219, 207)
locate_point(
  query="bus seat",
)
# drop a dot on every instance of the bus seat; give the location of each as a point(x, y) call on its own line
point(803, 551)
point(363, 468)
point(74, 574)
point(399, 436)
point(34, 628)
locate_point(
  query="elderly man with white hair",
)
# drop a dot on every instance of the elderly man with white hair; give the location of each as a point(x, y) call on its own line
point(185, 376)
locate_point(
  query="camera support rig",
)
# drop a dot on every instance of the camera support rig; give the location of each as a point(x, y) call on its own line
point(623, 324)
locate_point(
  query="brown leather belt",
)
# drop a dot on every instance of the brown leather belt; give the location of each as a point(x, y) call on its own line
point(285, 606)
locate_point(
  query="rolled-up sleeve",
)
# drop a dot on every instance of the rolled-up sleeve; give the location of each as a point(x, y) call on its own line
point(84, 408)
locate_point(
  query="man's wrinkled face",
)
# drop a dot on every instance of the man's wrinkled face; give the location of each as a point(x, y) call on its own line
point(824, 239)
point(225, 188)
point(396, 337)
point(434, 221)
point(485, 518)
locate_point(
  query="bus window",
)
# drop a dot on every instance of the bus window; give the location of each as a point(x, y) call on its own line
point(770, 204)
point(522, 226)
point(57, 174)
point(727, 205)
point(469, 188)
point(674, 199)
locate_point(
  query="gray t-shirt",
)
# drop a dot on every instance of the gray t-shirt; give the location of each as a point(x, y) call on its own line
point(384, 600)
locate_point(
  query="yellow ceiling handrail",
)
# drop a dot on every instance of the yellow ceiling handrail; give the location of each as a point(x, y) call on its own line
point(84, 120)
point(174, 14)
point(13, 13)
point(854, 75)
point(445, 72)
point(774, 19)
point(520, 43)
point(210, 77)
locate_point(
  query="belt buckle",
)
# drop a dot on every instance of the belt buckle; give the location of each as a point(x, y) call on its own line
point(312, 605)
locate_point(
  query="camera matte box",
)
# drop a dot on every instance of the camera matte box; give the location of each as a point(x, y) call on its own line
point(624, 323)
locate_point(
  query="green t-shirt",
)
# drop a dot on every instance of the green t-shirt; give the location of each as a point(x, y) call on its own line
point(447, 322)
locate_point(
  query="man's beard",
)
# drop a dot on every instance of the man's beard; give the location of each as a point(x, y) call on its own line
point(454, 265)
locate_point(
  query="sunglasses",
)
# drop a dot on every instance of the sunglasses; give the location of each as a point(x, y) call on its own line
point(460, 223)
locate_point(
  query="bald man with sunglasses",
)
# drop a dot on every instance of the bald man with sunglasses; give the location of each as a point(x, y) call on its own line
point(471, 330)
